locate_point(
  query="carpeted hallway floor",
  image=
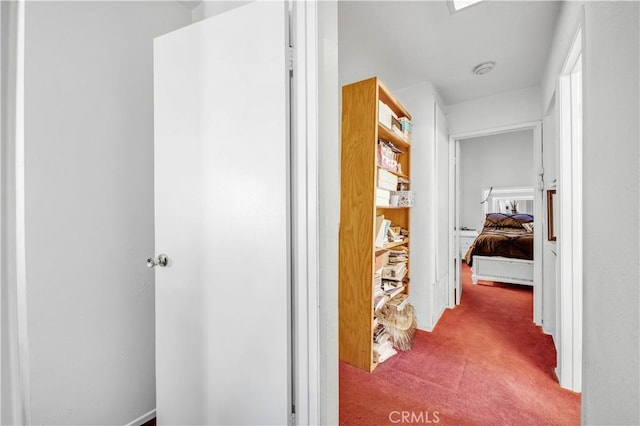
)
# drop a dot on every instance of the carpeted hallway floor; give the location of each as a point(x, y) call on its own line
point(485, 363)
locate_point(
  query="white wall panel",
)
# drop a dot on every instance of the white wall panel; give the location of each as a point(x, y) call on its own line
point(89, 207)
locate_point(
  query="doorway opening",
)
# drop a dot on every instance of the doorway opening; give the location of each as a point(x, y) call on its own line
point(456, 203)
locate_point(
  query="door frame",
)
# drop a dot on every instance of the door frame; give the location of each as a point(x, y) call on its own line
point(305, 95)
point(569, 243)
point(455, 289)
point(12, 216)
point(320, 27)
point(441, 277)
point(536, 127)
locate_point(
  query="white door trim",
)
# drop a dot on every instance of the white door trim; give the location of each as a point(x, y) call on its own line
point(3, 207)
point(570, 127)
point(304, 198)
point(456, 198)
point(442, 275)
point(13, 255)
point(536, 127)
point(2, 202)
point(454, 257)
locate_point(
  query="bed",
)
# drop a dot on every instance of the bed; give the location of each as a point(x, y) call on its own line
point(503, 251)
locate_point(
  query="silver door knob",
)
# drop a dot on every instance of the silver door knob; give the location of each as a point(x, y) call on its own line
point(161, 260)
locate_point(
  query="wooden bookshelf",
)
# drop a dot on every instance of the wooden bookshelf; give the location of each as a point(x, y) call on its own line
point(360, 134)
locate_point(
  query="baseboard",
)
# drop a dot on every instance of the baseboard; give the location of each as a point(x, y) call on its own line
point(143, 418)
point(439, 316)
point(429, 328)
point(423, 328)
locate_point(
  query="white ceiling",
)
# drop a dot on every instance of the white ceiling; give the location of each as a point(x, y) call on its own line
point(404, 43)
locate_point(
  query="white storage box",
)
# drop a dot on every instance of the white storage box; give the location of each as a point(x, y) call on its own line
point(407, 127)
point(405, 198)
point(384, 115)
point(387, 180)
point(382, 197)
point(382, 193)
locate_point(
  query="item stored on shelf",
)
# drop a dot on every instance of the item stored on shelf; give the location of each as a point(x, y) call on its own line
point(405, 198)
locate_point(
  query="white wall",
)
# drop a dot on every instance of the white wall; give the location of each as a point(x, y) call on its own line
point(611, 344)
point(89, 207)
point(611, 253)
point(419, 101)
point(563, 34)
point(515, 107)
point(502, 160)
point(207, 9)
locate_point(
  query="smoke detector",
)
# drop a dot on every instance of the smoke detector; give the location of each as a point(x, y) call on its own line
point(483, 68)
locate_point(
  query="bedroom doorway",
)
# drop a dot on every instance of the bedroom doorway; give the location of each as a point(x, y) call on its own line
point(455, 203)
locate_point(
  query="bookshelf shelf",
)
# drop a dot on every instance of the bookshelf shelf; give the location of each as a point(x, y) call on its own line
point(396, 244)
point(359, 226)
point(385, 96)
point(392, 207)
point(391, 136)
point(394, 172)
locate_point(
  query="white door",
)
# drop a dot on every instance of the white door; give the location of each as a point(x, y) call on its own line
point(222, 217)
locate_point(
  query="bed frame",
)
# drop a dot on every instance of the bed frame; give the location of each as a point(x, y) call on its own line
point(502, 269)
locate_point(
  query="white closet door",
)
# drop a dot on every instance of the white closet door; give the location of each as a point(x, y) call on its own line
point(222, 218)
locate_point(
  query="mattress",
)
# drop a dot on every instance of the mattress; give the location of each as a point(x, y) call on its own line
point(504, 235)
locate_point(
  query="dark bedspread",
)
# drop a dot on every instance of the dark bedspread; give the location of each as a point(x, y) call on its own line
point(512, 241)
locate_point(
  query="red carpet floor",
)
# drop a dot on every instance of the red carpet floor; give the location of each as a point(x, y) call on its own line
point(485, 363)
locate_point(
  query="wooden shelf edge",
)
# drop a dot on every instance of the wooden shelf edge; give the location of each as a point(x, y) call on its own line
point(402, 175)
point(385, 95)
point(393, 137)
point(395, 244)
point(392, 207)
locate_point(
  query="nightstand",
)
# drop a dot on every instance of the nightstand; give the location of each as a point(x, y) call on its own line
point(466, 239)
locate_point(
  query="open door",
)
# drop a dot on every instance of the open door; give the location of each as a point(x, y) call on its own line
point(223, 311)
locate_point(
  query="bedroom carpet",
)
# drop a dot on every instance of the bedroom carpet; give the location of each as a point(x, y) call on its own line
point(485, 363)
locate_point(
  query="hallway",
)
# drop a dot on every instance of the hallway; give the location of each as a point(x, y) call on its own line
point(485, 363)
